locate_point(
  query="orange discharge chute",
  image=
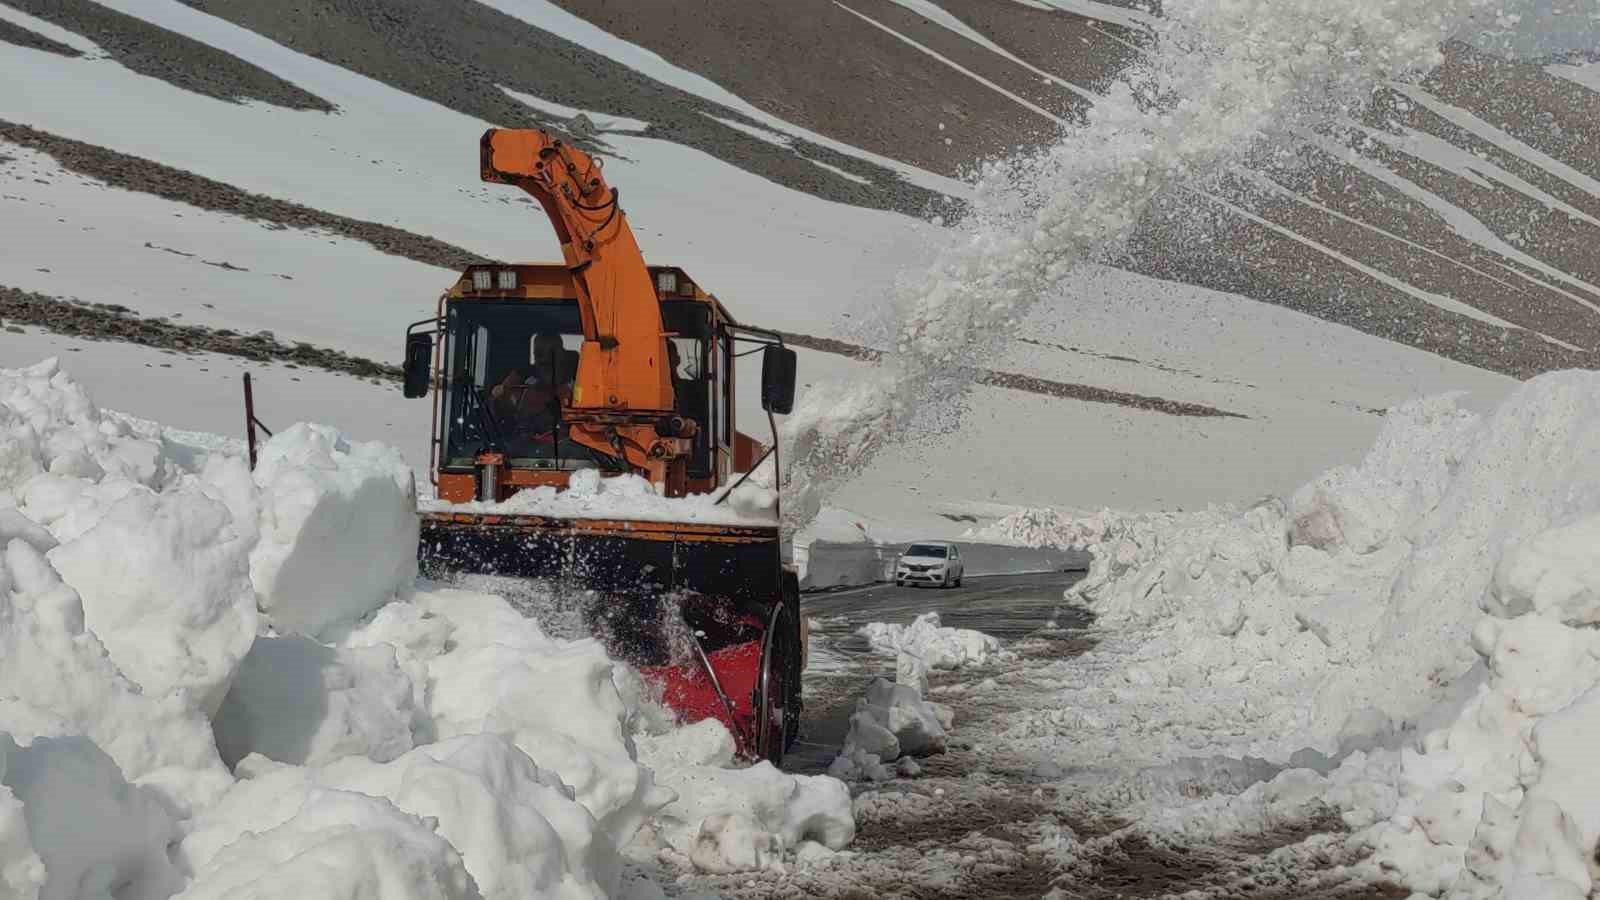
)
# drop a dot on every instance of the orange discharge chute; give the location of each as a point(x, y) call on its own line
point(623, 388)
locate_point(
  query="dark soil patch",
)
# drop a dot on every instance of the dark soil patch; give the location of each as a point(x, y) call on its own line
point(999, 812)
point(12, 33)
point(108, 322)
point(136, 174)
point(178, 60)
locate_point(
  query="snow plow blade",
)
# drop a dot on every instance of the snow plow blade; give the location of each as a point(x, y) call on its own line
point(707, 613)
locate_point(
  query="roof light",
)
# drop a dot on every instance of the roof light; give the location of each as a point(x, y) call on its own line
point(667, 282)
point(482, 279)
point(507, 279)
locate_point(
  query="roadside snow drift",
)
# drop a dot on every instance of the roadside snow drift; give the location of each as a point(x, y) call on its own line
point(223, 683)
point(1424, 621)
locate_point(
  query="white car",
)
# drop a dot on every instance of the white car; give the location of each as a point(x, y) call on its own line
point(934, 562)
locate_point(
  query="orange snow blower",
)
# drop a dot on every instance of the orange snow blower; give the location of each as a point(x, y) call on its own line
point(546, 375)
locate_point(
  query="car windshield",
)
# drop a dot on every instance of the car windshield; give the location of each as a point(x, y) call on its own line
point(930, 550)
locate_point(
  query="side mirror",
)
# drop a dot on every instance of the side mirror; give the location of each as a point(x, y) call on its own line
point(777, 379)
point(419, 364)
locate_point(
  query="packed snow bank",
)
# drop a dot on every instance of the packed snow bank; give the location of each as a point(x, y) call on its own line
point(326, 503)
point(630, 497)
point(936, 646)
point(1426, 616)
point(383, 740)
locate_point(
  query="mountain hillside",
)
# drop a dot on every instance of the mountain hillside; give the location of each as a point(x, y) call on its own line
point(184, 176)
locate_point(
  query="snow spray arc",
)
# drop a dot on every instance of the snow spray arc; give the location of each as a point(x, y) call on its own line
point(1224, 78)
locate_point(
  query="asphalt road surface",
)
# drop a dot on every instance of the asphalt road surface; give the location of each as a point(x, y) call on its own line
point(1009, 607)
point(1006, 606)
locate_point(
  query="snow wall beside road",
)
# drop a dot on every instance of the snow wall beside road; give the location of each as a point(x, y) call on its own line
point(1415, 634)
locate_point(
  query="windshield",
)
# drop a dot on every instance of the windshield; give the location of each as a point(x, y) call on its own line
point(510, 365)
point(930, 550)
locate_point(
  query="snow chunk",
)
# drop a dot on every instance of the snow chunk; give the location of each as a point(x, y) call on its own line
point(725, 819)
point(297, 701)
point(892, 722)
point(484, 667)
point(937, 647)
point(1556, 574)
point(164, 584)
point(338, 528)
point(97, 835)
point(59, 681)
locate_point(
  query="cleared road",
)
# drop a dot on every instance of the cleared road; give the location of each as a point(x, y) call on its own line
point(1009, 607)
point(1006, 606)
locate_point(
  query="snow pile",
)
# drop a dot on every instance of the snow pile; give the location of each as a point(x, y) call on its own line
point(355, 736)
point(297, 701)
point(1425, 616)
point(725, 819)
point(325, 504)
point(589, 496)
point(335, 844)
point(935, 646)
point(480, 666)
point(892, 723)
point(517, 828)
point(1225, 81)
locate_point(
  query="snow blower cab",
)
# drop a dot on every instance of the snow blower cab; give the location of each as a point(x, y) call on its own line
point(584, 442)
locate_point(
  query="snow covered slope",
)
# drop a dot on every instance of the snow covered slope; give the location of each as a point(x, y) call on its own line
point(1447, 212)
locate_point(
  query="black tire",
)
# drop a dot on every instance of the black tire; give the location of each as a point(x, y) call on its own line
point(785, 674)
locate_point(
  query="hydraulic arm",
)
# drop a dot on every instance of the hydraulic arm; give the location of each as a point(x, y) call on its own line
point(622, 399)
